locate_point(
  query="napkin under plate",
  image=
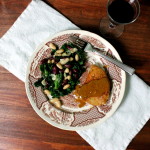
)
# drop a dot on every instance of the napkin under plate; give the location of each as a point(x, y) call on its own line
point(38, 22)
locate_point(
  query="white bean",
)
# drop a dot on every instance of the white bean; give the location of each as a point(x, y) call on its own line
point(64, 61)
point(71, 58)
point(60, 51)
point(43, 82)
point(68, 77)
point(52, 46)
point(59, 65)
point(49, 61)
point(73, 50)
point(66, 70)
point(56, 102)
point(66, 86)
point(64, 54)
point(76, 57)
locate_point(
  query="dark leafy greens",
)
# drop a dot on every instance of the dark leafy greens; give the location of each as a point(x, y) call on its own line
point(54, 79)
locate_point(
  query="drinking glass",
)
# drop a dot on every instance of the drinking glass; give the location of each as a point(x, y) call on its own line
point(119, 13)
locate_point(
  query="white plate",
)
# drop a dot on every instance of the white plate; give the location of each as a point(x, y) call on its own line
point(75, 118)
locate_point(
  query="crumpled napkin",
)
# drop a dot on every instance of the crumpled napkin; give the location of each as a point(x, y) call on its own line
point(38, 22)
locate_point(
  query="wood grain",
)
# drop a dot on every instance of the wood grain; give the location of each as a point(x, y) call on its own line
point(20, 126)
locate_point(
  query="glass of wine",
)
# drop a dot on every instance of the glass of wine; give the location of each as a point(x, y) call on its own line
point(119, 13)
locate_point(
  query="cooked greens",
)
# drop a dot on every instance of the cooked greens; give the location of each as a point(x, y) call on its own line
point(61, 71)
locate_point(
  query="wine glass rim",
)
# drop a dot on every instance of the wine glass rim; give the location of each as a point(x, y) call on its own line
point(115, 22)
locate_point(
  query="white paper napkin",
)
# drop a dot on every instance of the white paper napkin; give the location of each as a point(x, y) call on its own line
point(38, 22)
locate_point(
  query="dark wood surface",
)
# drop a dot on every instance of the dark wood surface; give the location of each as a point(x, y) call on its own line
point(20, 126)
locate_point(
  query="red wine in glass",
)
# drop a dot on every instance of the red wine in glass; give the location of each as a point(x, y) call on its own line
point(120, 13)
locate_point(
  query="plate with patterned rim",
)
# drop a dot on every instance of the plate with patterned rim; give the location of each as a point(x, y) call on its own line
point(75, 119)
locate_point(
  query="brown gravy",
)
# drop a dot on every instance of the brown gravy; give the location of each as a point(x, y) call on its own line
point(95, 88)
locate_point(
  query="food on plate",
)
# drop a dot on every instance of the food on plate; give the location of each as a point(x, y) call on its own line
point(95, 73)
point(61, 71)
point(60, 76)
point(96, 88)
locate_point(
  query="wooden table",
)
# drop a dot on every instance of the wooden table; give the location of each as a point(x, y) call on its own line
point(20, 126)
